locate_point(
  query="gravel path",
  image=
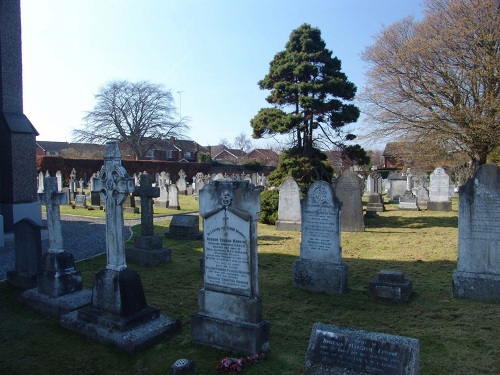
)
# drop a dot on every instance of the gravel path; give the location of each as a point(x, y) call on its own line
point(84, 237)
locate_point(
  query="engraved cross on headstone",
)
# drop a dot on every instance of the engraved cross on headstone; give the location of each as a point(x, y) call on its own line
point(52, 199)
point(114, 185)
point(147, 192)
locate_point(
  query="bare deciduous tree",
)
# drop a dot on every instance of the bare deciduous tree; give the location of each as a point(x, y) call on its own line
point(243, 142)
point(137, 114)
point(438, 80)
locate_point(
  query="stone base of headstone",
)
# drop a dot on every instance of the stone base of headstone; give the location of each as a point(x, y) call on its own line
point(239, 329)
point(148, 251)
point(320, 276)
point(161, 204)
point(131, 210)
point(184, 227)
point(371, 214)
point(58, 275)
point(22, 280)
point(183, 367)
point(391, 286)
point(119, 315)
point(288, 225)
point(174, 207)
point(438, 206)
point(476, 286)
point(55, 306)
point(375, 203)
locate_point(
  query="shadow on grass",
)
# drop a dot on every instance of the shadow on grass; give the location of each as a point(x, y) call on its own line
point(412, 222)
point(273, 238)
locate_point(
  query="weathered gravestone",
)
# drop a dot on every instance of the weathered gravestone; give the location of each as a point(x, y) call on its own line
point(320, 267)
point(439, 191)
point(181, 182)
point(397, 186)
point(478, 268)
point(80, 200)
point(184, 227)
point(59, 181)
point(289, 206)
point(375, 200)
point(421, 188)
point(28, 254)
point(391, 285)
point(59, 283)
point(17, 135)
point(408, 202)
point(148, 249)
point(230, 309)
point(162, 200)
point(118, 314)
point(173, 197)
point(349, 189)
point(346, 351)
point(95, 199)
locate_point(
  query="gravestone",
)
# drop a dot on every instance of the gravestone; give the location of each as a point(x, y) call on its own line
point(230, 309)
point(346, 351)
point(397, 186)
point(18, 187)
point(173, 197)
point(162, 200)
point(40, 182)
point(477, 275)
point(72, 184)
point(439, 191)
point(375, 200)
point(80, 200)
point(118, 314)
point(28, 254)
point(421, 188)
point(95, 199)
point(320, 268)
point(408, 202)
point(59, 283)
point(181, 182)
point(148, 249)
point(184, 227)
point(391, 285)
point(59, 181)
point(349, 190)
point(289, 206)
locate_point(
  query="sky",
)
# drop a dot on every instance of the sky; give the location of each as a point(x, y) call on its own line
point(209, 53)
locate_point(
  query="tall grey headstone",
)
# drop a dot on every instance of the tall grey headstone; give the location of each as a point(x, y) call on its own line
point(349, 190)
point(439, 191)
point(118, 314)
point(478, 268)
point(162, 200)
point(59, 283)
point(17, 135)
point(289, 216)
point(397, 185)
point(59, 181)
point(320, 268)
point(230, 309)
point(148, 249)
point(375, 200)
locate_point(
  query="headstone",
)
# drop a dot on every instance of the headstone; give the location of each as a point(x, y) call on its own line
point(181, 182)
point(184, 227)
point(28, 254)
point(118, 314)
point(72, 184)
point(375, 200)
point(66, 191)
point(59, 283)
point(349, 190)
point(230, 309)
point(320, 267)
point(391, 285)
point(477, 275)
point(95, 199)
point(80, 200)
point(162, 200)
point(397, 186)
point(173, 197)
point(421, 188)
point(148, 249)
point(346, 351)
point(17, 135)
point(408, 202)
point(59, 181)
point(40, 182)
point(439, 191)
point(289, 217)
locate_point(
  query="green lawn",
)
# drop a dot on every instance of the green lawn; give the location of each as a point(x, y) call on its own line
point(456, 336)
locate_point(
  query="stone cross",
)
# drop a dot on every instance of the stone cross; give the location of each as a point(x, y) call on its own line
point(114, 185)
point(147, 192)
point(52, 199)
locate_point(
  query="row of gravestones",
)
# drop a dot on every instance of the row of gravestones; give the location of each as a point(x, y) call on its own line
point(230, 210)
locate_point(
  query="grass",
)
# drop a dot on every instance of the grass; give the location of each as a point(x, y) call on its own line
point(456, 336)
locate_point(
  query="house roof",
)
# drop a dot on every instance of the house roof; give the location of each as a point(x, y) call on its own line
point(230, 153)
point(263, 152)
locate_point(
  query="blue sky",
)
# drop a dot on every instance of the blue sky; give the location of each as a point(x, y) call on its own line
point(211, 51)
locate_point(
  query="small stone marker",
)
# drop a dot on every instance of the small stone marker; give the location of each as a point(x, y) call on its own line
point(147, 250)
point(349, 189)
point(28, 254)
point(320, 267)
point(408, 202)
point(118, 314)
point(391, 286)
point(339, 350)
point(80, 200)
point(439, 191)
point(289, 206)
point(59, 283)
point(477, 275)
point(183, 367)
point(184, 227)
point(230, 309)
